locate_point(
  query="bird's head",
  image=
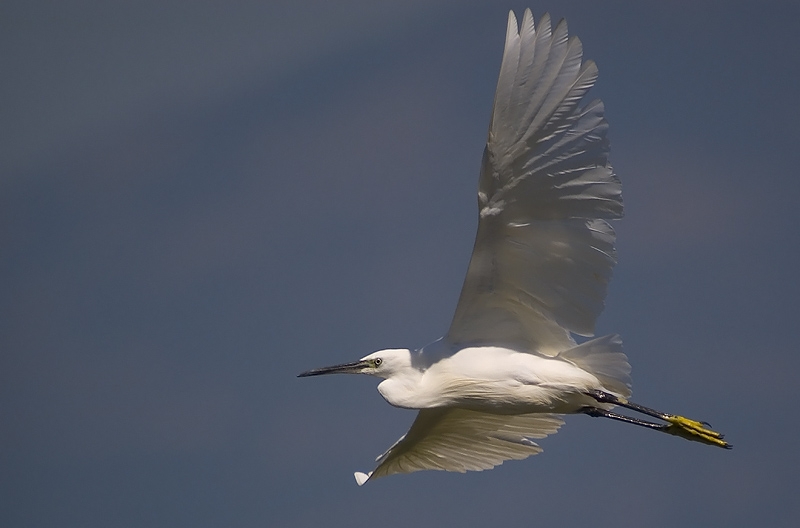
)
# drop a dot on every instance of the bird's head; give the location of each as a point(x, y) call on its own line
point(383, 364)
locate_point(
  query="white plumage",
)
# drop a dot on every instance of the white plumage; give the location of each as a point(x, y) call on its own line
point(538, 275)
point(544, 252)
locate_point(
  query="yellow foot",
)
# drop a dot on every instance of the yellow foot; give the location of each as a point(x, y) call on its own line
point(694, 430)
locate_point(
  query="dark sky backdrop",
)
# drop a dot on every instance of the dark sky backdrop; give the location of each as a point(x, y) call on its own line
point(200, 200)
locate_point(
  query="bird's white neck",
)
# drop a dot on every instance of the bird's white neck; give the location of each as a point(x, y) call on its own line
point(403, 390)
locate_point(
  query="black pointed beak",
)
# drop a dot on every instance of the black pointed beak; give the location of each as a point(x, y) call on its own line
point(346, 368)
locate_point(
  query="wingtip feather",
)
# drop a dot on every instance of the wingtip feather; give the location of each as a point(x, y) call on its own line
point(361, 478)
point(513, 27)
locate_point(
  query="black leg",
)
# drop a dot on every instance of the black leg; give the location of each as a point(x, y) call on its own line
point(597, 412)
point(676, 425)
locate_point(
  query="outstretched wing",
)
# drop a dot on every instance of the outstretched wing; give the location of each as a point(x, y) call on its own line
point(460, 440)
point(544, 252)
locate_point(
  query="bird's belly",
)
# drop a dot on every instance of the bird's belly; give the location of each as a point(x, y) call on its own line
point(512, 398)
point(506, 382)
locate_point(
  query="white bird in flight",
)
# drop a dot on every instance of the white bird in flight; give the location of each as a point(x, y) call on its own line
point(509, 364)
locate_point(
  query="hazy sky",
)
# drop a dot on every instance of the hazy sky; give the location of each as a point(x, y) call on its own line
point(200, 200)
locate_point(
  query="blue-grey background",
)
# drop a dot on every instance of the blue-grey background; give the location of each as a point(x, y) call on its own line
point(199, 200)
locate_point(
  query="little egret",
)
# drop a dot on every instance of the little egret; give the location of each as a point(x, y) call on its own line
point(509, 364)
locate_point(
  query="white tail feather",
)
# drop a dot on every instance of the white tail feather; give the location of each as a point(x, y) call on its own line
point(603, 357)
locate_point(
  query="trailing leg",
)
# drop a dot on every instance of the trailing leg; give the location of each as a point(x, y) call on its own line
point(676, 425)
point(597, 412)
